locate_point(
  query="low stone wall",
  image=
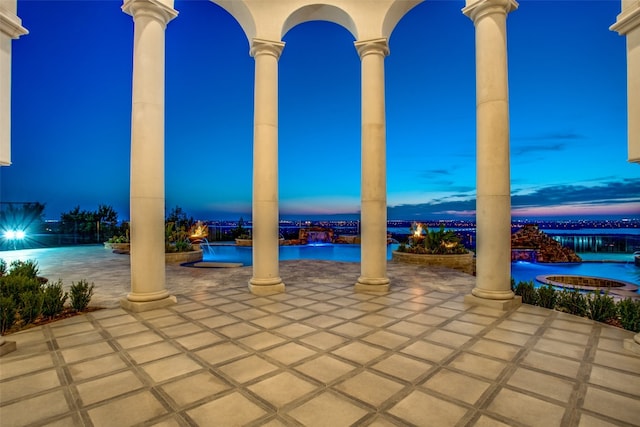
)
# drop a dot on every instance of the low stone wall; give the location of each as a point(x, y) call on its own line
point(618, 288)
point(171, 257)
point(586, 281)
point(124, 247)
point(182, 257)
point(461, 262)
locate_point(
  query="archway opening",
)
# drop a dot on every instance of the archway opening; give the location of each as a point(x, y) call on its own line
point(209, 136)
point(319, 122)
point(430, 105)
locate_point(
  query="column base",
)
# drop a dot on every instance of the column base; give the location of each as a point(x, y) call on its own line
point(139, 306)
point(263, 290)
point(633, 344)
point(372, 285)
point(499, 304)
point(7, 347)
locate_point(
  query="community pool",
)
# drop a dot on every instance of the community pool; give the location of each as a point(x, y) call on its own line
point(621, 269)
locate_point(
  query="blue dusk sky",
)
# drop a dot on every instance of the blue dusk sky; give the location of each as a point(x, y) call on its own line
point(567, 76)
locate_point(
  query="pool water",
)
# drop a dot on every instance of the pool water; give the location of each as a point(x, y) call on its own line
point(326, 252)
point(520, 271)
point(627, 272)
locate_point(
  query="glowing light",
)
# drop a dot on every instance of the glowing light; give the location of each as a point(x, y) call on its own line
point(418, 230)
point(198, 232)
point(14, 234)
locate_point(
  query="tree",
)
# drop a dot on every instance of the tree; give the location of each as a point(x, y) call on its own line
point(240, 231)
point(179, 217)
point(89, 226)
point(107, 222)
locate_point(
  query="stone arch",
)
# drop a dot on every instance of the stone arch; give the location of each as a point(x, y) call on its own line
point(242, 14)
point(320, 12)
point(393, 16)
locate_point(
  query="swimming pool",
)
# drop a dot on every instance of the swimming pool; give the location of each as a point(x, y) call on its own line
point(520, 271)
point(627, 272)
point(326, 252)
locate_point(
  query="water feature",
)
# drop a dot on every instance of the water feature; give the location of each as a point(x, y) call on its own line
point(320, 251)
point(622, 267)
point(623, 271)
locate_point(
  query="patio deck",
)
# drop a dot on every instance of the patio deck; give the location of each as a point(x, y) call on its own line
point(317, 355)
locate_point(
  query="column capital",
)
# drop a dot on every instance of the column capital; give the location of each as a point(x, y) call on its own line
point(374, 46)
point(11, 25)
point(476, 9)
point(157, 9)
point(628, 20)
point(266, 47)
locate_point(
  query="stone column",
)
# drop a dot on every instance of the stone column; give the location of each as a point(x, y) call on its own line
point(10, 28)
point(266, 270)
point(493, 203)
point(373, 247)
point(628, 24)
point(148, 289)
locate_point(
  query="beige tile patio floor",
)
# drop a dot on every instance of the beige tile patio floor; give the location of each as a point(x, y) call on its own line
point(317, 355)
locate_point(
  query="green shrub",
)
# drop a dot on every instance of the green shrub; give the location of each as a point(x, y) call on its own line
point(3, 267)
point(422, 241)
point(8, 312)
point(547, 296)
point(26, 294)
point(629, 314)
point(527, 291)
point(183, 246)
point(572, 301)
point(30, 306)
point(27, 268)
point(54, 299)
point(80, 294)
point(14, 286)
point(118, 239)
point(601, 307)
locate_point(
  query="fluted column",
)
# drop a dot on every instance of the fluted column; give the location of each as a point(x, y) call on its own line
point(493, 203)
point(148, 288)
point(10, 28)
point(266, 270)
point(373, 264)
point(628, 24)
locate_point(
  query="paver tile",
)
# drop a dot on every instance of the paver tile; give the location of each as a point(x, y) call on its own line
point(422, 409)
point(336, 411)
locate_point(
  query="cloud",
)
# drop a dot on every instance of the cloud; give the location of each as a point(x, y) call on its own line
point(439, 180)
point(435, 172)
point(528, 149)
point(434, 209)
point(551, 136)
point(543, 142)
point(624, 191)
point(615, 197)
